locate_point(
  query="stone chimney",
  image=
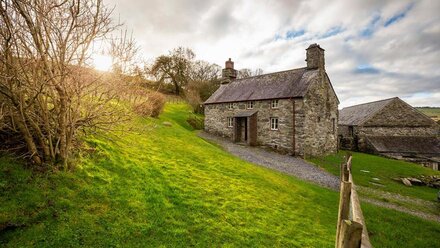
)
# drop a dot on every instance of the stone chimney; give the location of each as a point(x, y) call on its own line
point(315, 57)
point(228, 74)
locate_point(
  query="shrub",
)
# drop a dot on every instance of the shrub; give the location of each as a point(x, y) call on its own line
point(151, 106)
point(196, 122)
point(157, 101)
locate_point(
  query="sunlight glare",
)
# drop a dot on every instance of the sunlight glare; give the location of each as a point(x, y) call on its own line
point(102, 62)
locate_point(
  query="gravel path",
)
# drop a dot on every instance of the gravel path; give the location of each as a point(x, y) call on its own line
point(398, 198)
point(283, 163)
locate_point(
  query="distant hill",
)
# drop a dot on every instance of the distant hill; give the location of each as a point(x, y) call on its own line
point(433, 112)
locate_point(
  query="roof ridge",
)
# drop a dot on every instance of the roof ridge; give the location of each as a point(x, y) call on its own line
point(365, 103)
point(295, 69)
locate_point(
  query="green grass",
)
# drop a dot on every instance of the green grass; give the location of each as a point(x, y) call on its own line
point(385, 170)
point(433, 112)
point(389, 228)
point(164, 186)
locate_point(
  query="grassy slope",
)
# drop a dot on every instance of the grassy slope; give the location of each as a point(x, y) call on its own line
point(164, 185)
point(433, 112)
point(383, 168)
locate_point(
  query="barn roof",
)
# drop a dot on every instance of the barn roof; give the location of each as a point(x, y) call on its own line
point(406, 144)
point(284, 84)
point(358, 114)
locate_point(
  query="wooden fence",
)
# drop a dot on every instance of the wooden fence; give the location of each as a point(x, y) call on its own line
point(351, 231)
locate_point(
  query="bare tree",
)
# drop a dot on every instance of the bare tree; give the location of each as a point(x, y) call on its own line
point(244, 73)
point(124, 50)
point(45, 89)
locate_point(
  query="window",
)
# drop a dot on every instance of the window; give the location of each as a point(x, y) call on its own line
point(230, 122)
point(350, 131)
point(274, 104)
point(273, 123)
point(250, 104)
point(231, 105)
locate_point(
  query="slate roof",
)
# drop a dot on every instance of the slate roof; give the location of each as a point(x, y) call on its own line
point(405, 144)
point(284, 84)
point(358, 114)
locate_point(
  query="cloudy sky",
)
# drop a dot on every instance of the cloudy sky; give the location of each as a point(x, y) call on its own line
point(374, 49)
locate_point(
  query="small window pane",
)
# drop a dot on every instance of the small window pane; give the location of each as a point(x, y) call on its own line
point(230, 122)
point(250, 105)
point(274, 104)
point(274, 123)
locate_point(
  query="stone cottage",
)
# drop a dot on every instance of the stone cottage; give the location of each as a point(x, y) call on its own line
point(391, 128)
point(293, 112)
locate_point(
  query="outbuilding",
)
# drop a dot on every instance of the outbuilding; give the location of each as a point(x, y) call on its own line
point(391, 128)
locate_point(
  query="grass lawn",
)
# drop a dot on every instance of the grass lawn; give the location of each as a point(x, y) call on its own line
point(164, 186)
point(385, 170)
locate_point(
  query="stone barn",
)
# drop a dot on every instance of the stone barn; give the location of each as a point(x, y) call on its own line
point(293, 112)
point(391, 128)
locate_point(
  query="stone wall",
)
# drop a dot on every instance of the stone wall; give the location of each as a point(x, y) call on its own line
point(216, 117)
point(320, 119)
point(216, 120)
point(397, 131)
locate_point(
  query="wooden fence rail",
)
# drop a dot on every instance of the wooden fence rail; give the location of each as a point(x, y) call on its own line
point(351, 231)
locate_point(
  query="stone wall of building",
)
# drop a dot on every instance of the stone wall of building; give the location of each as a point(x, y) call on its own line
point(320, 119)
point(281, 139)
point(216, 121)
point(397, 131)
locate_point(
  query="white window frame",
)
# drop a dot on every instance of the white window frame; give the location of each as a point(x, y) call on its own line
point(274, 104)
point(230, 105)
point(250, 105)
point(274, 123)
point(230, 122)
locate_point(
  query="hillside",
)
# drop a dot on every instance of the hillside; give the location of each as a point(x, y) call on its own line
point(163, 185)
point(433, 112)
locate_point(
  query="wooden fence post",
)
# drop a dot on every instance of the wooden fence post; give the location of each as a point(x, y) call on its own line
point(344, 207)
point(351, 231)
point(351, 234)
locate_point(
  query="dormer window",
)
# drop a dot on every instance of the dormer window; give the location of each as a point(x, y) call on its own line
point(274, 104)
point(250, 105)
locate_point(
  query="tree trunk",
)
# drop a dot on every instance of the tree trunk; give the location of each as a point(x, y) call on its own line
point(32, 148)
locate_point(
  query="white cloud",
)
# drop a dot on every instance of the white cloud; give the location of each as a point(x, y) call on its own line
point(404, 55)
